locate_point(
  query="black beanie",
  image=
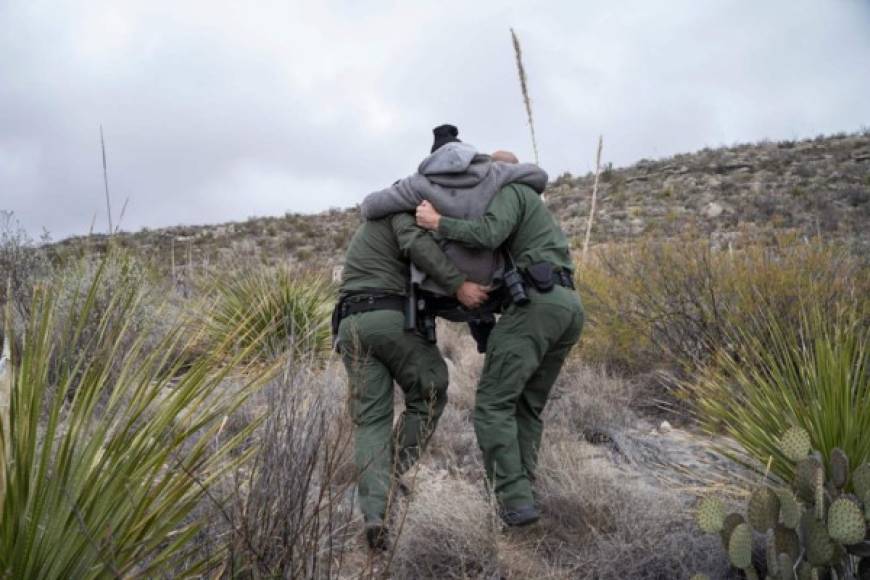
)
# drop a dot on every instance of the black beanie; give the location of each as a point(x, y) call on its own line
point(444, 134)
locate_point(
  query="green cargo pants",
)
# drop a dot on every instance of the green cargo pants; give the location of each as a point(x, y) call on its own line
point(376, 350)
point(524, 356)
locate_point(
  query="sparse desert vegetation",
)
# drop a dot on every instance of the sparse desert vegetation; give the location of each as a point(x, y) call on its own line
point(171, 407)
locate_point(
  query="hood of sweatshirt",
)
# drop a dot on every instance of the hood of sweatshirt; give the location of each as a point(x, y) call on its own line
point(457, 165)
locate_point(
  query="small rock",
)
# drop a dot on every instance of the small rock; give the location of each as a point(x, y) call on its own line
point(665, 427)
point(713, 210)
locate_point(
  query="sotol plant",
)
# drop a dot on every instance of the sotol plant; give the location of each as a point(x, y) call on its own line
point(108, 445)
point(817, 529)
point(277, 310)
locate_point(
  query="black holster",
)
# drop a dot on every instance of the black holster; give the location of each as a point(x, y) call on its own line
point(335, 322)
point(481, 327)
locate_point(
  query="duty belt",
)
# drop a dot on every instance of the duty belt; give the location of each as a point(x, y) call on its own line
point(357, 303)
point(560, 278)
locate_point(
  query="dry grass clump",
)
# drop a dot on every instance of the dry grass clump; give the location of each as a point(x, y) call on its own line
point(589, 398)
point(600, 522)
point(450, 531)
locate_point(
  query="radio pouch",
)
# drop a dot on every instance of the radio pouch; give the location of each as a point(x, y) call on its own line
point(541, 276)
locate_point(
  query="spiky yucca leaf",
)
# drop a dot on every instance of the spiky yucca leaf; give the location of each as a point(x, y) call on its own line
point(276, 310)
point(104, 465)
point(817, 379)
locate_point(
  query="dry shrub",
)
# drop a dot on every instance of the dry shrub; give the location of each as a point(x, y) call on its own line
point(22, 264)
point(673, 304)
point(289, 514)
point(599, 522)
point(450, 531)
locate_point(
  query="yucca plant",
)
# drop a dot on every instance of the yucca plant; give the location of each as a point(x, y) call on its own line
point(277, 310)
point(817, 378)
point(104, 457)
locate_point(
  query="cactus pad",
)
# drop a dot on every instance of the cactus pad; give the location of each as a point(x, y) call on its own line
point(711, 515)
point(789, 508)
point(846, 522)
point(786, 567)
point(861, 480)
point(804, 571)
point(740, 547)
point(820, 548)
point(731, 521)
point(787, 541)
point(770, 555)
point(839, 468)
point(763, 510)
point(805, 478)
point(795, 444)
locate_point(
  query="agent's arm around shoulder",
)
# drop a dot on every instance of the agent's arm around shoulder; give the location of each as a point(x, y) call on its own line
point(490, 230)
point(422, 249)
point(399, 197)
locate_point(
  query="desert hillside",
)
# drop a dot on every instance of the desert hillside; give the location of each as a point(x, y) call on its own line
point(812, 187)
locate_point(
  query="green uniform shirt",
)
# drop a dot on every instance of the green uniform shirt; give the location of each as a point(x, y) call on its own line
point(516, 215)
point(377, 259)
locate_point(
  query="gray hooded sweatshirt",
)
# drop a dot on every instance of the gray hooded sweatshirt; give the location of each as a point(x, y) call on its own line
point(460, 183)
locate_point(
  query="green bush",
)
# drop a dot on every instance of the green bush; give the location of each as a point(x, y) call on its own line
point(672, 305)
point(103, 460)
point(271, 312)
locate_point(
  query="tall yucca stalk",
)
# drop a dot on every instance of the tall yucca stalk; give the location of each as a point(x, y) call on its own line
point(104, 465)
point(524, 88)
point(817, 378)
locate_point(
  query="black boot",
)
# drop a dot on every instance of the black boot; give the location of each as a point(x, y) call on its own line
point(520, 516)
point(376, 534)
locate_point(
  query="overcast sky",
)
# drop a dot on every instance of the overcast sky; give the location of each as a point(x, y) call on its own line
point(217, 111)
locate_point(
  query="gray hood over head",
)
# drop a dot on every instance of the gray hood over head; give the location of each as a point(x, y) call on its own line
point(457, 179)
point(460, 182)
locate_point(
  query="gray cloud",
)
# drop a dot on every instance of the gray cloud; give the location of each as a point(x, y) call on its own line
point(216, 111)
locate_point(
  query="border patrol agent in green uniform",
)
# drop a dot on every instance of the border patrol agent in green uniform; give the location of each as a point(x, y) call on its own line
point(376, 348)
point(529, 343)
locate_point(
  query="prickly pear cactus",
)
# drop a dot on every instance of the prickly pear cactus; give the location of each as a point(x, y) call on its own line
point(839, 468)
point(817, 530)
point(846, 522)
point(806, 475)
point(795, 444)
point(820, 547)
point(711, 515)
point(789, 508)
point(787, 542)
point(786, 567)
point(763, 510)
point(740, 547)
point(861, 480)
point(731, 522)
